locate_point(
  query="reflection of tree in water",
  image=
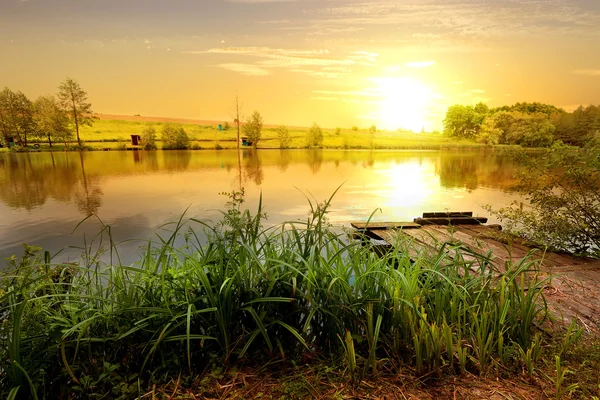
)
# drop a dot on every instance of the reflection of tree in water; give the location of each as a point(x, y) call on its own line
point(314, 159)
point(28, 180)
point(150, 159)
point(370, 161)
point(471, 170)
point(253, 166)
point(88, 197)
point(284, 160)
point(176, 160)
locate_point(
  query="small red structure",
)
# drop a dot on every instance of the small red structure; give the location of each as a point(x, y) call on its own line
point(136, 140)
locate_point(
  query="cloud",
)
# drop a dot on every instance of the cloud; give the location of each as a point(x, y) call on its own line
point(419, 64)
point(477, 91)
point(245, 69)
point(588, 72)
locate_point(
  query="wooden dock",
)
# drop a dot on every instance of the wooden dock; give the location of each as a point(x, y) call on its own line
point(573, 292)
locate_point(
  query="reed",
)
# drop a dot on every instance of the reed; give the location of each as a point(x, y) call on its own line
point(253, 294)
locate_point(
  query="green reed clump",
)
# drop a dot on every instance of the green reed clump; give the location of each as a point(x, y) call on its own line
point(247, 293)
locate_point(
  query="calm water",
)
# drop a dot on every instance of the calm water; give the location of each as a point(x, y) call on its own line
point(44, 196)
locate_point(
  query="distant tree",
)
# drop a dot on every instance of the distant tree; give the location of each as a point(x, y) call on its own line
point(513, 127)
point(16, 116)
point(338, 130)
point(314, 136)
point(355, 128)
point(284, 136)
point(236, 113)
point(253, 128)
point(174, 137)
point(73, 99)
point(226, 126)
point(149, 138)
point(372, 129)
point(463, 121)
point(530, 108)
point(52, 121)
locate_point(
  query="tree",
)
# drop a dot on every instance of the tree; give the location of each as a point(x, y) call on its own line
point(16, 116)
point(253, 127)
point(236, 113)
point(52, 121)
point(314, 137)
point(174, 137)
point(464, 121)
point(148, 137)
point(73, 99)
point(284, 136)
point(562, 199)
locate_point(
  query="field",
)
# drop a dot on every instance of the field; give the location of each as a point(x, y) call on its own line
point(112, 131)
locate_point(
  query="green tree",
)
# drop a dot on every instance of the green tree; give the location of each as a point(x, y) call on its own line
point(174, 137)
point(284, 136)
point(561, 189)
point(314, 136)
point(52, 121)
point(464, 121)
point(149, 138)
point(73, 99)
point(253, 128)
point(16, 116)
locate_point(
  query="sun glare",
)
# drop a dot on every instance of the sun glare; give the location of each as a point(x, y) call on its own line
point(404, 103)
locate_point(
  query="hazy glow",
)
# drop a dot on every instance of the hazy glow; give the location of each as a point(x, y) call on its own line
point(408, 185)
point(404, 103)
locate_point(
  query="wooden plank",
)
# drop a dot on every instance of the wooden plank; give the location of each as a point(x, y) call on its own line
point(438, 214)
point(385, 225)
point(451, 221)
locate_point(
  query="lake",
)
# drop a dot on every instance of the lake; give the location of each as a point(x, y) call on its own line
point(44, 196)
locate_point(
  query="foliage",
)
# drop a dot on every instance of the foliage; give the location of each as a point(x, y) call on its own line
point(291, 292)
point(253, 127)
point(314, 136)
point(578, 127)
point(513, 127)
point(174, 137)
point(52, 121)
point(464, 121)
point(562, 199)
point(283, 135)
point(16, 117)
point(73, 99)
point(372, 129)
point(530, 108)
point(148, 137)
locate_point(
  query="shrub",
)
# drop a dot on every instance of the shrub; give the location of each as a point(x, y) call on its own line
point(253, 127)
point(149, 138)
point(284, 136)
point(174, 137)
point(314, 137)
point(562, 199)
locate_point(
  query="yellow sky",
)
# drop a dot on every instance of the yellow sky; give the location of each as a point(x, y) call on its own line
point(390, 63)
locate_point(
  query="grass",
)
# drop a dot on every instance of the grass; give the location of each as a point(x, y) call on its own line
point(289, 295)
point(105, 132)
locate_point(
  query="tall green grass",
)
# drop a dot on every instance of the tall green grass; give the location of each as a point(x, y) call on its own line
point(250, 294)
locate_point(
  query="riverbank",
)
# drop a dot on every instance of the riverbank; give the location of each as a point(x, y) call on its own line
point(115, 134)
point(297, 294)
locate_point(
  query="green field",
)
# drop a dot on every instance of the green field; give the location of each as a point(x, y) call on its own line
point(115, 133)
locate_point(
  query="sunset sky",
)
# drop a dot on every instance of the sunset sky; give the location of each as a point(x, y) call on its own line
point(391, 63)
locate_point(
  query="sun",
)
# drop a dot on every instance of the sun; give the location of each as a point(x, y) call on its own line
point(404, 103)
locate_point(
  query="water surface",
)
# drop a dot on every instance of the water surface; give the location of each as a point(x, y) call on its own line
point(44, 196)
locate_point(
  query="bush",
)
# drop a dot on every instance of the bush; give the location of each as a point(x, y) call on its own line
point(149, 139)
point(174, 137)
point(314, 137)
point(253, 128)
point(284, 136)
point(562, 193)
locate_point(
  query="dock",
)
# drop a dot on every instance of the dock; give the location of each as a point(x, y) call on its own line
point(572, 293)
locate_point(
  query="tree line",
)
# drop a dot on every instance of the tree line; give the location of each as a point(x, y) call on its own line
point(525, 124)
point(51, 118)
